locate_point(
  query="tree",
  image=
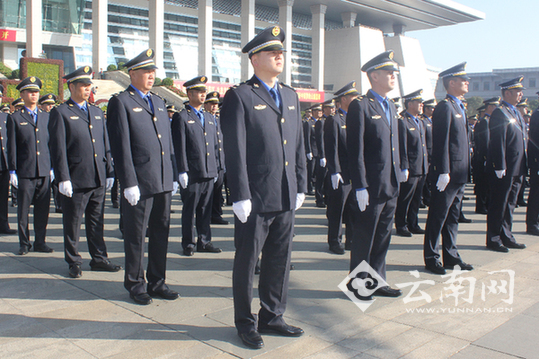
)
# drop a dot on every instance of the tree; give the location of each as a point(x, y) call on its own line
point(474, 103)
point(167, 82)
point(111, 67)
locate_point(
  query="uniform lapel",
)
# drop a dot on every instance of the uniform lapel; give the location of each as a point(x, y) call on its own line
point(193, 116)
point(135, 96)
point(378, 108)
point(28, 118)
point(77, 110)
point(263, 94)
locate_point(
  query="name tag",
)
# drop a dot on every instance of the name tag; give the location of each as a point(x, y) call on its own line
point(412, 129)
point(260, 107)
point(376, 117)
point(343, 126)
point(291, 107)
point(458, 116)
point(24, 123)
point(160, 109)
point(211, 123)
point(137, 109)
point(97, 117)
point(190, 121)
point(74, 117)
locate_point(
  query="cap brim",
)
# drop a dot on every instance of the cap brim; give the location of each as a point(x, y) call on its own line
point(148, 67)
point(82, 81)
point(273, 47)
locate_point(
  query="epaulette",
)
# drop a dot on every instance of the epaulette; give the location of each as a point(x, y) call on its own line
point(444, 100)
point(285, 85)
point(154, 94)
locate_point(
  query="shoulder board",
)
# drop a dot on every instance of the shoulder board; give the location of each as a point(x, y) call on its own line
point(285, 85)
point(444, 100)
point(156, 95)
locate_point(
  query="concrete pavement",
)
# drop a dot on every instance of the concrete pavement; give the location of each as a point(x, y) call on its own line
point(44, 313)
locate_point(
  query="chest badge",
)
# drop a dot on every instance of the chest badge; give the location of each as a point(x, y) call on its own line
point(74, 117)
point(24, 123)
point(291, 107)
point(376, 117)
point(190, 121)
point(137, 109)
point(260, 107)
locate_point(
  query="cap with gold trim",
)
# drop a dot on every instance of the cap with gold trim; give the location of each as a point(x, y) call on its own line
point(414, 96)
point(82, 75)
point(348, 89)
point(48, 99)
point(515, 83)
point(329, 103)
point(384, 61)
point(212, 97)
point(429, 103)
point(198, 83)
point(18, 102)
point(455, 71)
point(143, 61)
point(30, 83)
point(269, 39)
point(523, 103)
point(171, 108)
point(492, 101)
point(316, 107)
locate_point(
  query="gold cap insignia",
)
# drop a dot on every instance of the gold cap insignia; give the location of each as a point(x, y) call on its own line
point(50, 96)
point(203, 79)
point(86, 69)
point(391, 55)
point(276, 31)
point(354, 84)
point(32, 79)
point(149, 53)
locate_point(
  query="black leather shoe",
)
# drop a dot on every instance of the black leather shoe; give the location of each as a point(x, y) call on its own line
point(23, 250)
point(463, 219)
point(8, 231)
point(218, 220)
point(336, 248)
point(142, 298)
point(533, 231)
point(284, 330)
point(388, 292)
point(462, 265)
point(44, 248)
point(481, 211)
point(515, 245)
point(422, 205)
point(404, 232)
point(522, 203)
point(75, 271)
point(189, 251)
point(208, 248)
point(348, 245)
point(320, 205)
point(498, 248)
point(106, 266)
point(435, 268)
point(115, 205)
point(164, 293)
point(252, 339)
point(58, 210)
point(417, 230)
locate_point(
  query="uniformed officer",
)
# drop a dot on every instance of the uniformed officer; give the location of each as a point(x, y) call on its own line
point(265, 161)
point(311, 149)
point(481, 139)
point(338, 200)
point(171, 110)
point(428, 109)
point(318, 156)
point(532, 212)
point(141, 146)
point(195, 139)
point(523, 108)
point(17, 104)
point(507, 164)
point(375, 166)
point(5, 108)
point(30, 164)
point(415, 145)
point(211, 105)
point(449, 170)
point(82, 164)
point(4, 171)
point(47, 102)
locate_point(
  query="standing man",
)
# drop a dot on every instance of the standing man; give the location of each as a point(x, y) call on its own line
point(4, 174)
point(406, 215)
point(372, 136)
point(80, 155)
point(141, 146)
point(320, 164)
point(47, 102)
point(337, 163)
point(265, 160)
point(507, 166)
point(428, 109)
point(310, 148)
point(450, 167)
point(532, 212)
point(30, 164)
point(195, 143)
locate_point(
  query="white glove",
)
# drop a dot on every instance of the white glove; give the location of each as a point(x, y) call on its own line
point(109, 182)
point(323, 162)
point(362, 196)
point(184, 179)
point(443, 180)
point(500, 173)
point(404, 175)
point(309, 156)
point(215, 179)
point(242, 209)
point(66, 188)
point(52, 176)
point(132, 195)
point(335, 179)
point(175, 186)
point(300, 197)
point(14, 180)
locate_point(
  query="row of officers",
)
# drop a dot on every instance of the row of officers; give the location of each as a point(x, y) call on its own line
point(375, 164)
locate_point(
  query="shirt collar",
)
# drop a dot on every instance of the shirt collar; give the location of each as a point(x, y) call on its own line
point(378, 97)
point(459, 102)
point(195, 110)
point(142, 95)
point(266, 85)
point(412, 116)
point(84, 106)
point(343, 111)
point(33, 113)
point(510, 106)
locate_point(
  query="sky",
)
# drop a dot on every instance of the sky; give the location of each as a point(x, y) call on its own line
point(505, 39)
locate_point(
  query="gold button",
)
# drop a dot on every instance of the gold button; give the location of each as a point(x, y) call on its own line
point(220, 149)
point(207, 154)
point(393, 148)
point(38, 153)
point(159, 135)
point(284, 142)
point(95, 154)
point(91, 126)
point(37, 141)
point(37, 129)
point(282, 120)
point(154, 119)
point(220, 141)
point(163, 153)
point(205, 134)
point(93, 140)
point(286, 163)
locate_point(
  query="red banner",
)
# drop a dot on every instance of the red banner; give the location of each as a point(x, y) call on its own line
point(8, 35)
point(310, 95)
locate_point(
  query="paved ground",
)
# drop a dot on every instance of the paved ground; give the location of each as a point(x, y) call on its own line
point(44, 313)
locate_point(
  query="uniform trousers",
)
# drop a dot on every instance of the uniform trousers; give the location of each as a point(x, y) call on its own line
point(152, 212)
point(408, 203)
point(89, 202)
point(197, 200)
point(320, 180)
point(427, 191)
point(310, 175)
point(271, 234)
point(338, 211)
point(4, 198)
point(532, 212)
point(217, 206)
point(481, 189)
point(37, 190)
point(503, 200)
point(443, 219)
point(371, 230)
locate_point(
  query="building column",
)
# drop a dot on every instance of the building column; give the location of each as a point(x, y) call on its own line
point(318, 20)
point(99, 35)
point(247, 33)
point(348, 19)
point(34, 28)
point(157, 37)
point(205, 26)
point(285, 22)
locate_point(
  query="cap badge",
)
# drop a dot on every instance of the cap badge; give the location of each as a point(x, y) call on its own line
point(354, 84)
point(276, 31)
point(50, 96)
point(32, 79)
point(86, 69)
point(149, 52)
point(203, 79)
point(391, 55)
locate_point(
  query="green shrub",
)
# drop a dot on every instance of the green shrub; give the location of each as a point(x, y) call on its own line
point(48, 73)
point(111, 67)
point(121, 65)
point(15, 74)
point(6, 71)
point(167, 82)
point(157, 82)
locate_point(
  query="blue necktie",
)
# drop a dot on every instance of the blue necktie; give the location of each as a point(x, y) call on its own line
point(148, 100)
point(275, 96)
point(463, 111)
point(200, 117)
point(385, 105)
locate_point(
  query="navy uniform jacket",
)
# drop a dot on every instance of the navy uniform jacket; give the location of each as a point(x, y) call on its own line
point(427, 124)
point(335, 145)
point(28, 144)
point(80, 150)
point(416, 147)
point(194, 145)
point(3, 142)
point(451, 149)
point(373, 148)
point(312, 137)
point(319, 137)
point(307, 135)
point(533, 143)
point(141, 142)
point(219, 151)
point(508, 140)
point(481, 137)
point(265, 155)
